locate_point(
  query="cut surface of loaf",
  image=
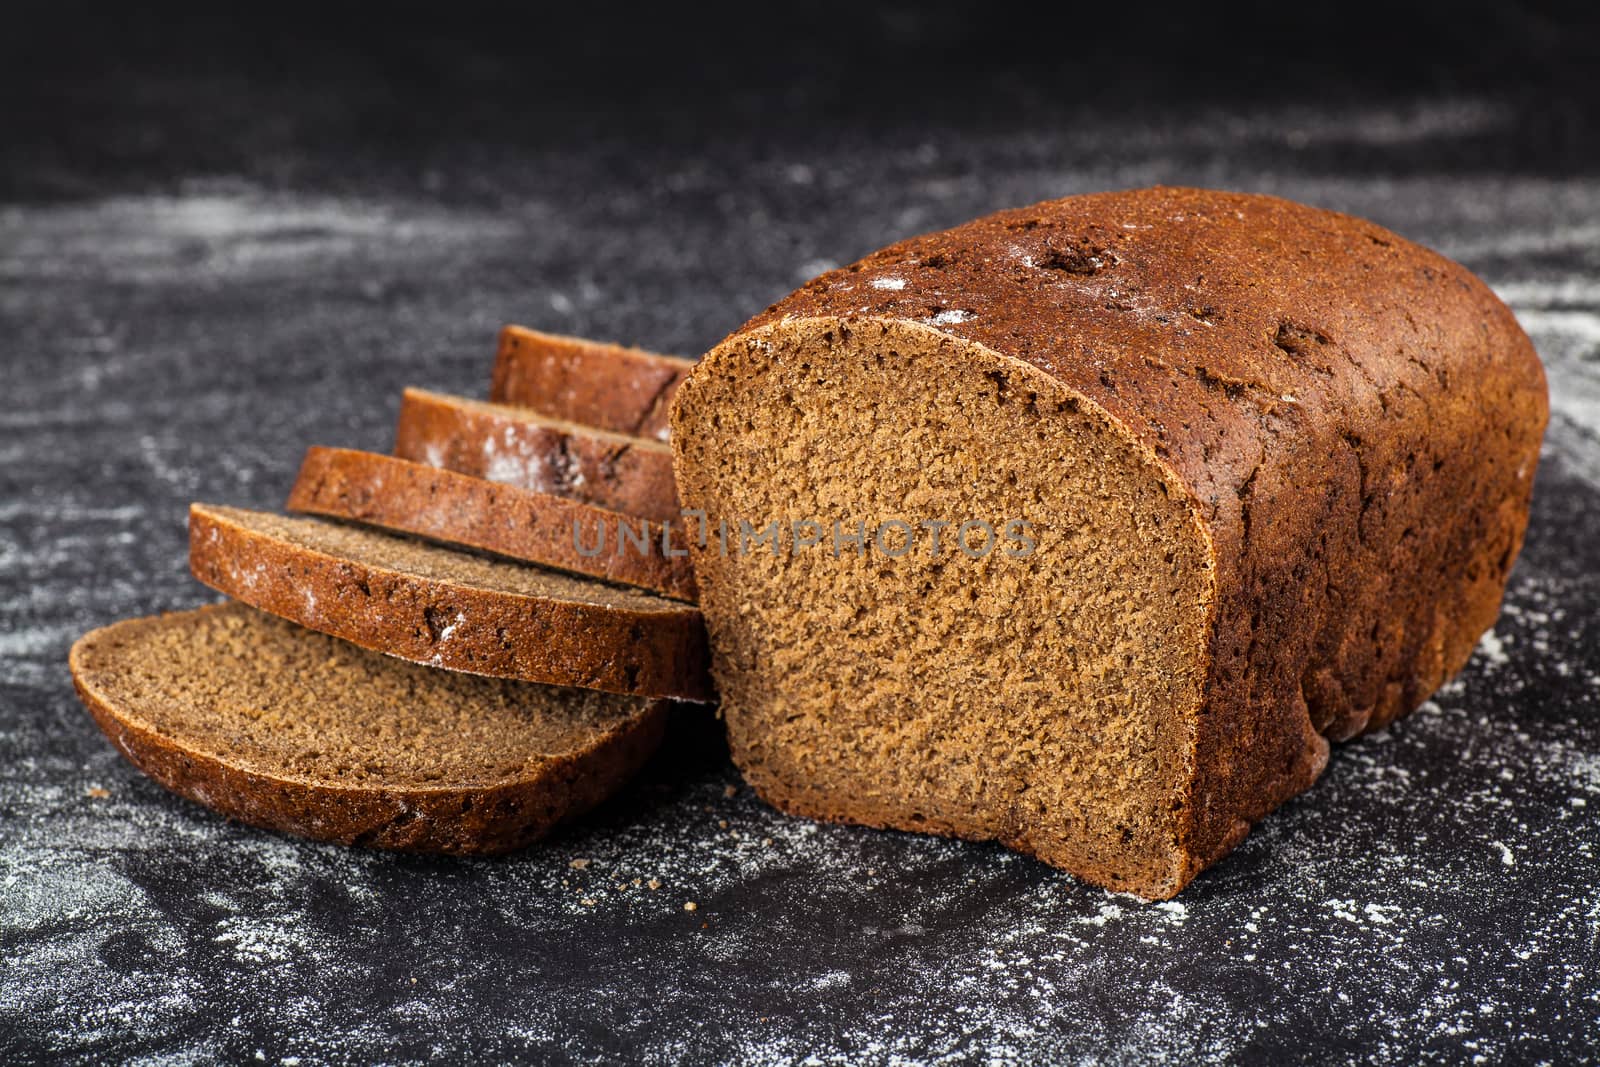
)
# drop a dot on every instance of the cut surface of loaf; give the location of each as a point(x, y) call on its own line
point(523, 524)
point(1274, 462)
point(626, 390)
point(518, 446)
point(284, 728)
point(452, 609)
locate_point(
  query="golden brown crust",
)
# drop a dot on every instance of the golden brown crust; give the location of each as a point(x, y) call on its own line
point(519, 523)
point(446, 624)
point(625, 390)
point(458, 820)
point(1356, 420)
point(515, 446)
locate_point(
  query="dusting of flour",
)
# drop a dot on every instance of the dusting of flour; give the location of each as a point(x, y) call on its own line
point(1433, 898)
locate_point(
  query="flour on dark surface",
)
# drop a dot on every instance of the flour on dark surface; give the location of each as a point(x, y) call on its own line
point(1435, 897)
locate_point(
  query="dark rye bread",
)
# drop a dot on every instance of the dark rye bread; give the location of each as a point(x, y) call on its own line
point(522, 524)
point(451, 609)
point(625, 390)
point(280, 727)
point(1277, 462)
point(516, 446)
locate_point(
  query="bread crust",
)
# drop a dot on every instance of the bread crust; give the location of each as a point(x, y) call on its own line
point(516, 446)
point(523, 524)
point(457, 820)
point(446, 624)
point(625, 390)
point(1354, 419)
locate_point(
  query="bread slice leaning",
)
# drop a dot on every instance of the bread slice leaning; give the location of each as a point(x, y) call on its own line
point(518, 446)
point(283, 728)
point(523, 524)
point(626, 390)
point(451, 609)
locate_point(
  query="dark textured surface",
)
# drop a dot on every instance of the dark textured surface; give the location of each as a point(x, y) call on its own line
point(220, 244)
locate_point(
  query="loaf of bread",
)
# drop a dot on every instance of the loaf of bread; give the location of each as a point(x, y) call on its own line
point(1246, 477)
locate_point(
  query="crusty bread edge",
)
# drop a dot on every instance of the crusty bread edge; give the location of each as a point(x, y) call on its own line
point(531, 417)
point(615, 410)
point(403, 496)
point(491, 632)
point(632, 475)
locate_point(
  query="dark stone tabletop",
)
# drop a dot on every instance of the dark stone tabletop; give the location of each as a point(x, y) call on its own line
point(222, 240)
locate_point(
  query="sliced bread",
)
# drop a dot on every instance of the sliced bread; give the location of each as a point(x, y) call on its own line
point(451, 609)
point(517, 446)
point(627, 390)
point(522, 524)
point(284, 728)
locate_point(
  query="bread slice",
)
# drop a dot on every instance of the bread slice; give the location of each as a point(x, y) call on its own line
point(516, 446)
point(451, 609)
point(522, 524)
point(1275, 462)
point(283, 728)
point(626, 390)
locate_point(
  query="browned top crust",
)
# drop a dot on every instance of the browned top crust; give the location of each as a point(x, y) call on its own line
point(1357, 419)
point(518, 446)
point(625, 390)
